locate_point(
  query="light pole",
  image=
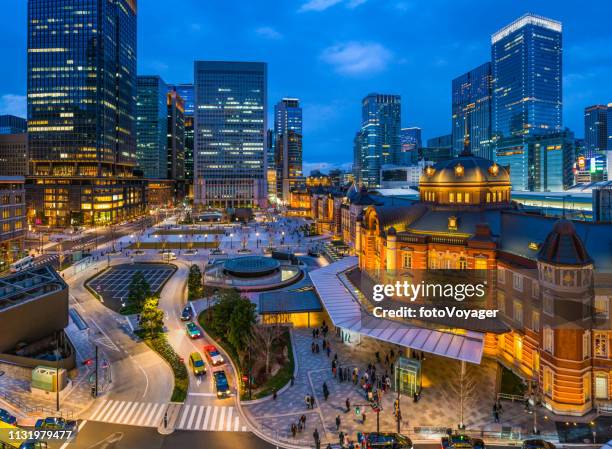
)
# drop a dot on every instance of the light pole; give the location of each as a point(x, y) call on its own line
point(180, 242)
point(231, 240)
point(257, 235)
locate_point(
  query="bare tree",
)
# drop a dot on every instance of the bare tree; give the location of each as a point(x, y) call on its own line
point(463, 387)
point(265, 335)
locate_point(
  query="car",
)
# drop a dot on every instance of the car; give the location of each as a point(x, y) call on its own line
point(55, 423)
point(386, 440)
point(461, 441)
point(168, 255)
point(193, 331)
point(187, 313)
point(7, 417)
point(537, 444)
point(213, 355)
point(221, 384)
point(197, 364)
point(34, 444)
point(138, 252)
point(191, 252)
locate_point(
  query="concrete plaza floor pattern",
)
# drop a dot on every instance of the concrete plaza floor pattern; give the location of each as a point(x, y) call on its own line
point(438, 406)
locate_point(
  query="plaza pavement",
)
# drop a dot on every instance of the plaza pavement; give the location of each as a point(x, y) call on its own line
point(438, 407)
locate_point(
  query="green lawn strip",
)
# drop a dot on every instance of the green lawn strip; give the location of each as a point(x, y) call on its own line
point(160, 345)
point(188, 231)
point(173, 245)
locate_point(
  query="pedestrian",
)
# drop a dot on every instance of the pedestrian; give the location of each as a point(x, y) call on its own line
point(324, 344)
point(317, 439)
point(338, 421)
point(303, 420)
point(292, 380)
point(307, 400)
point(348, 405)
point(312, 401)
point(341, 438)
point(312, 347)
point(328, 350)
point(165, 419)
point(317, 348)
point(363, 418)
point(313, 334)
point(293, 429)
point(274, 394)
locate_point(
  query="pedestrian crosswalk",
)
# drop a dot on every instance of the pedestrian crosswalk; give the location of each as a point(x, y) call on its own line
point(207, 417)
point(148, 414)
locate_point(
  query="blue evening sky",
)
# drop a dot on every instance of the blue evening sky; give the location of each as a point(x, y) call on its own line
point(330, 53)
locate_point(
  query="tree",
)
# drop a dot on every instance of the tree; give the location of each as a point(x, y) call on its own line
point(223, 311)
point(241, 322)
point(194, 282)
point(138, 290)
point(151, 317)
point(463, 387)
point(264, 336)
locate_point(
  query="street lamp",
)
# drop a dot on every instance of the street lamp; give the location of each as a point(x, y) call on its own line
point(180, 242)
point(231, 241)
point(257, 235)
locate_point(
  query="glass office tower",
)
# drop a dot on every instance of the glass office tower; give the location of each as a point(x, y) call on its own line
point(152, 127)
point(471, 109)
point(595, 130)
point(411, 144)
point(81, 112)
point(230, 134)
point(526, 69)
point(176, 142)
point(187, 93)
point(379, 140)
point(11, 124)
point(288, 146)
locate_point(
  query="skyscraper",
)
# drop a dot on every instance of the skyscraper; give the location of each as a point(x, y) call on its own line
point(595, 130)
point(471, 109)
point(411, 144)
point(81, 112)
point(152, 127)
point(379, 138)
point(288, 145)
point(187, 93)
point(526, 69)
point(230, 133)
point(11, 124)
point(176, 139)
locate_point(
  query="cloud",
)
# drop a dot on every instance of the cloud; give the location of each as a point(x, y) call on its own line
point(357, 58)
point(14, 105)
point(322, 5)
point(268, 33)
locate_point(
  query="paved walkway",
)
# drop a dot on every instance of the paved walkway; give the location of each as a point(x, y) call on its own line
point(438, 406)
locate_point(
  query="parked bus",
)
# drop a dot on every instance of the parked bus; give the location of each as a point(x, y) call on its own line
point(22, 264)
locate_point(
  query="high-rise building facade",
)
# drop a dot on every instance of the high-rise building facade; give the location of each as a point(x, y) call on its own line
point(230, 134)
point(471, 111)
point(81, 112)
point(11, 124)
point(176, 139)
point(14, 154)
point(411, 143)
point(526, 68)
point(288, 146)
point(378, 143)
point(187, 93)
point(595, 130)
point(541, 163)
point(152, 127)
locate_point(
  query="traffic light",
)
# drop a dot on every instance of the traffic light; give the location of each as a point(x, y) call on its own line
point(357, 411)
point(93, 391)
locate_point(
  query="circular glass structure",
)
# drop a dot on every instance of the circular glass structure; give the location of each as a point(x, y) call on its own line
point(250, 266)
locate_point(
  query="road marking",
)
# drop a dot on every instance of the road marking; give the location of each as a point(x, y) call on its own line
point(192, 416)
point(128, 416)
point(221, 419)
point(229, 419)
point(134, 413)
point(65, 445)
point(236, 424)
point(125, 410)
point(98, 408)
point(210, 395)
point(199, 419)
point(151, 416)
point(115, 414)
point(143, 415)
point(214, 417)
point(109, 411)
point(184, 416)
point(205, 425)
point(158, 417)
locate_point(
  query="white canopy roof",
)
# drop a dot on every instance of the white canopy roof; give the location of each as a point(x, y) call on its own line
point(345, 312)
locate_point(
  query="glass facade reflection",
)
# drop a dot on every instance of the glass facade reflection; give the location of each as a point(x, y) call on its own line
point(411, 144)
point(230, 134)
point(595, 130)
point(378, 141)
point(471, 109)
point(187, 93)
point(151, 127)
point(81, 111)
point(287, 146)
point(526, 68)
